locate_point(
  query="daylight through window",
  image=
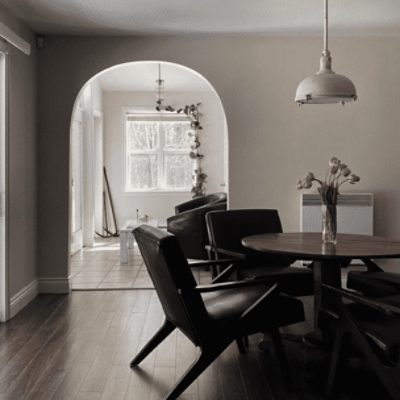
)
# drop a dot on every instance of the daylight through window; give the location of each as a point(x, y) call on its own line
point(157, 153)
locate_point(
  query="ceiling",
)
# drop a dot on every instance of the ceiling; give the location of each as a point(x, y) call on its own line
point(141, 76)
point(125, 17)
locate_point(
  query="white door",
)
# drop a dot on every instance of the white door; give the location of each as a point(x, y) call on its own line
point(76, 182)
point(4, 300)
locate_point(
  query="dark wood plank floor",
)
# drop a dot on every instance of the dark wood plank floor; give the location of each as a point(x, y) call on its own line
point(78, 347)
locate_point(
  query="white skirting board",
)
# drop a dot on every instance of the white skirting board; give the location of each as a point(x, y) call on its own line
point(23, 297)
point(32, 289)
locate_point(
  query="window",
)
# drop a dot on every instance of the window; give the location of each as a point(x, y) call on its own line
point(157, 153)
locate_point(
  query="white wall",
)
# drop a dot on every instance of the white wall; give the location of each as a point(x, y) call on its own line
point(271, 140)
point(22, 160)
point(158, 205)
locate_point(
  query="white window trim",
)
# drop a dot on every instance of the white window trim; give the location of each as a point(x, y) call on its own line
point(150, 112)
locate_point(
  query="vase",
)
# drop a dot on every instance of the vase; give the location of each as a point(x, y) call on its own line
point(329, 223)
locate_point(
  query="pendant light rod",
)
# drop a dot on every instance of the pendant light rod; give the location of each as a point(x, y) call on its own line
point(160, 88)
point(326, 26)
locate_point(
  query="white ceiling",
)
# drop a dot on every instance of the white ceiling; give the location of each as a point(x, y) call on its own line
point(116, 17)
point(141, 76)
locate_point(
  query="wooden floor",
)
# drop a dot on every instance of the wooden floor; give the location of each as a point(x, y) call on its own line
point(78, 347)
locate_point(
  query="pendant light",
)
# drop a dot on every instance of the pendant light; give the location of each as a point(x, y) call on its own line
point(325, 86)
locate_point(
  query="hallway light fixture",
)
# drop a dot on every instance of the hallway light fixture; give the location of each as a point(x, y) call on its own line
point(159, 90)
point(325, 87)
point(160, 93)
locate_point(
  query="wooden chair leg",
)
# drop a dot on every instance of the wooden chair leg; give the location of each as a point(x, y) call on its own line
point(336, 362)
point(241, 345)
point(281, 355)
point(203, 361)
point(162, 333)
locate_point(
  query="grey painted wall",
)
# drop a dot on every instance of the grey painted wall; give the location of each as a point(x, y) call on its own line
point(272, 142)
point(22, 132)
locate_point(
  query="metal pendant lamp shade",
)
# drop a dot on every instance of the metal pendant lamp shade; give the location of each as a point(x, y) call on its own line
point(325, 86)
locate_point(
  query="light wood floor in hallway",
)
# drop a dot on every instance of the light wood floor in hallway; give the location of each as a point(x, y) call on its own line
point(78, 347)
point(99, 267)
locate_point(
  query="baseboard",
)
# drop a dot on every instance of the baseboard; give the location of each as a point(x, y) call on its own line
point(54, 285)
point(23, 297)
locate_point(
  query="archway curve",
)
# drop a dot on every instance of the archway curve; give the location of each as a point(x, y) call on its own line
point(196, 74)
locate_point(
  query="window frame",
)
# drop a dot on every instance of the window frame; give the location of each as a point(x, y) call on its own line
point(143, 114)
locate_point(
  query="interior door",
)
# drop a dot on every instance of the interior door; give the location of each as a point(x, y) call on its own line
point(76, 182)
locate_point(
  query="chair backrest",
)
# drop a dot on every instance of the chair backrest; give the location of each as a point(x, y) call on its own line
point(197, 202)
point(173, 280)
point(226, 229)
point(191, 230)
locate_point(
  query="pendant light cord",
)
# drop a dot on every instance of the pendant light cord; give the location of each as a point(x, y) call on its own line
point(326, 26)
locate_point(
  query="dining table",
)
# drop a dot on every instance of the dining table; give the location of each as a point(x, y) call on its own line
point(327, 258)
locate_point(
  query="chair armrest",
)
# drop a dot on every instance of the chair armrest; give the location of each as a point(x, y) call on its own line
point(371, 266)
point(230, 253)
point(375, 304)
point(232, 285)
point(233, 265)
point(206, 263)
point(259, 303)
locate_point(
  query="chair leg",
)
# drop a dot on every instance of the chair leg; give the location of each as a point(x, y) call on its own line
point(203, 361)
point(336, 361)
point(241, 345)
point(162, 333)
point(281, 355)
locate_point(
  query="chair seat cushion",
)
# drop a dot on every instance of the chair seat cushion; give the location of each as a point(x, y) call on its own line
point(374, 284)
point(225, 307)
point(292, 280)
point(381, 330)
point(393, 300)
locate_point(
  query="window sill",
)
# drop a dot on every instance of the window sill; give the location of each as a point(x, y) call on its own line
point(157, 193)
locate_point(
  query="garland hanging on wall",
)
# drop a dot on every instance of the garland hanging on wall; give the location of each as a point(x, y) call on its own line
point(192, 111)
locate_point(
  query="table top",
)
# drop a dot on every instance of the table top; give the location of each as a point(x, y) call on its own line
point(309, 246)
point(132, 224)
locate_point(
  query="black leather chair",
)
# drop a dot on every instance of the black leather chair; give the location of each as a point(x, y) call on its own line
point(369, 326)
point(374, 282)
point(226, 230)
point(189, 225)
point(211, 316)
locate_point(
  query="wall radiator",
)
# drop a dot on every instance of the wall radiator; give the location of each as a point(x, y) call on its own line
point(355, 213)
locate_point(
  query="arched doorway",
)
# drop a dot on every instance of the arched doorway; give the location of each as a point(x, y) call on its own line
point(122, 96)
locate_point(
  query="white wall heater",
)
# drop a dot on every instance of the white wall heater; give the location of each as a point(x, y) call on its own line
point(355, 213)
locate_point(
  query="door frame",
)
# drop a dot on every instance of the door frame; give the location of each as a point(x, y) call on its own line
point(4, 264)
point(98, 162)
point(78, 117)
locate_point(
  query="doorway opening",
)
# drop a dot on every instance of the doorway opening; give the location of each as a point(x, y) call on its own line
point(117, 131)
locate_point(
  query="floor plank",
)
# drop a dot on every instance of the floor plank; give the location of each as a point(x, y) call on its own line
point(79, 347)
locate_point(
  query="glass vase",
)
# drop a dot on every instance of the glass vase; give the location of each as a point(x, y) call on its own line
point(329, 223)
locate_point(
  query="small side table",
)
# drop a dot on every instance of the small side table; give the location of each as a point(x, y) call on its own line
point(126, 238)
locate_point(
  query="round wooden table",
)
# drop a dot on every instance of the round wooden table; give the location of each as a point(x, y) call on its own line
point(327, 259)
